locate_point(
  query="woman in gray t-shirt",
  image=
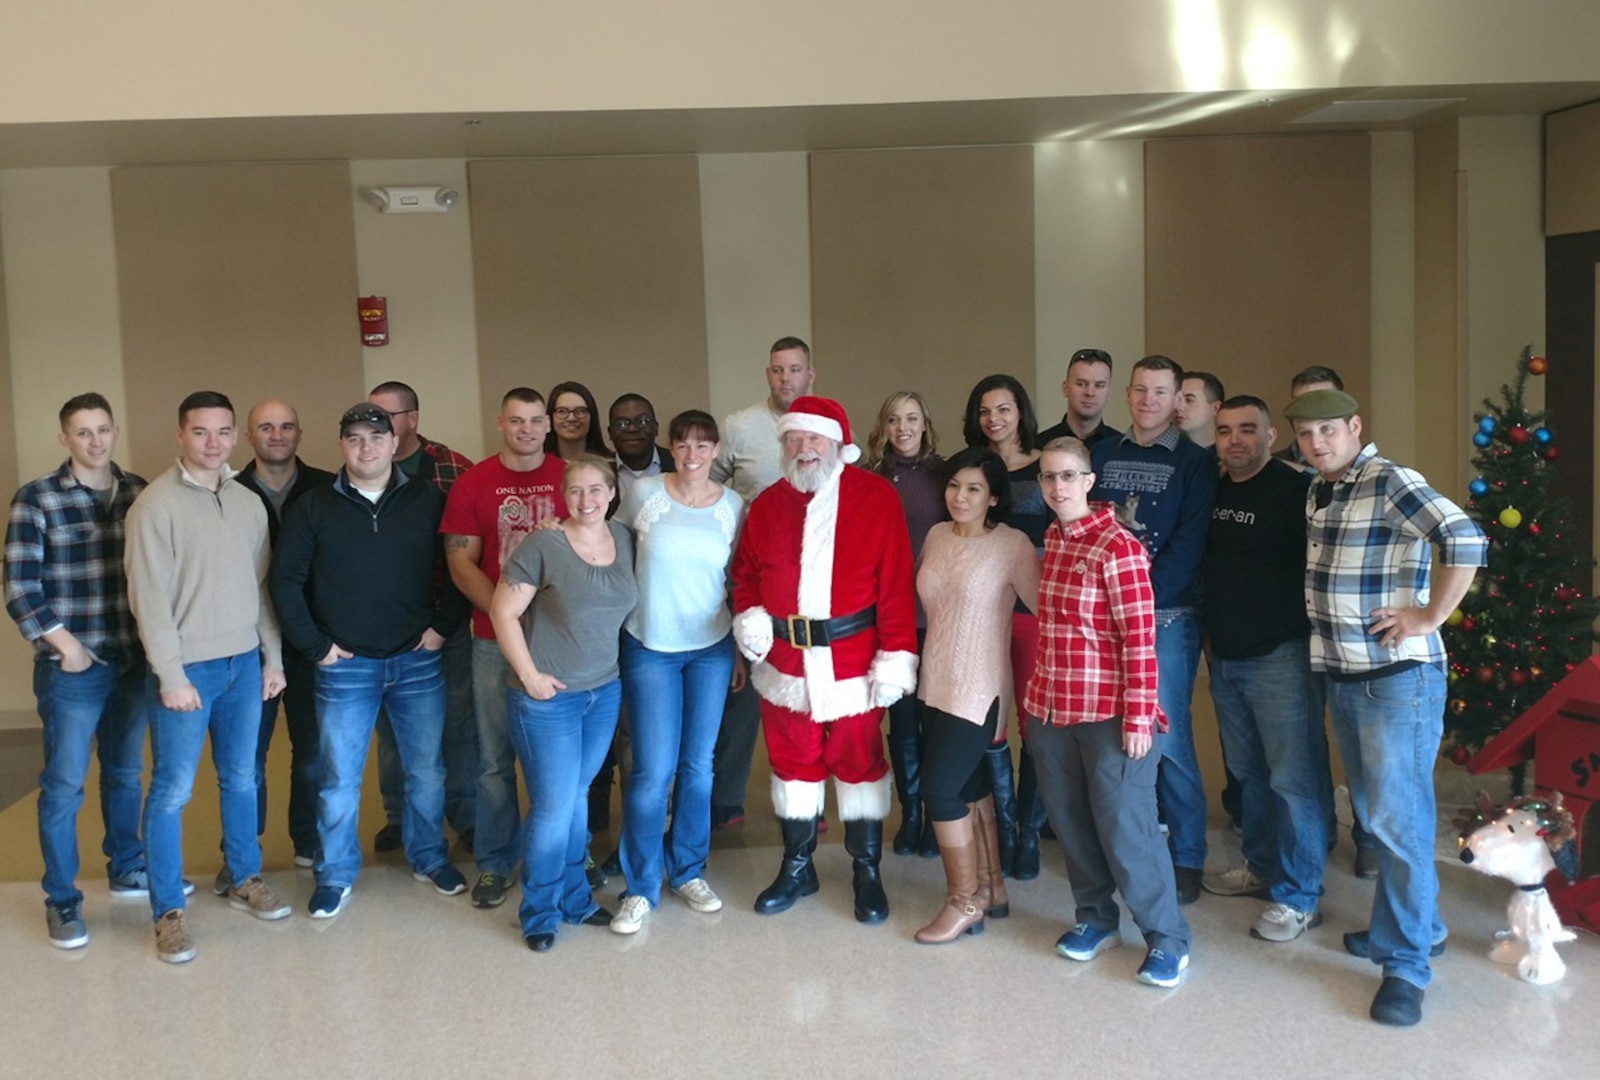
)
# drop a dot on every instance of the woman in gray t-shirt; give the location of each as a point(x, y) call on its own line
point(575, 585)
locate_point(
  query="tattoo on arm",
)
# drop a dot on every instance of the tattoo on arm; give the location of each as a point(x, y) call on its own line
point(455, 541)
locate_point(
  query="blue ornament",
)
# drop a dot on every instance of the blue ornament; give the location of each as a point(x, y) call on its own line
point(1541, 435)
point(1481, 440)
point(1486, 425)
point(1479, 488)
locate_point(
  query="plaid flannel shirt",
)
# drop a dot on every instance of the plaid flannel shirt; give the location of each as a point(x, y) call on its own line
point(1368, 548)
point(63, 564)
point(1097, 628)
point(440, 465)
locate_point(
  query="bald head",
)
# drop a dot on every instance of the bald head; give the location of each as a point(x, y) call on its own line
point(273, 429)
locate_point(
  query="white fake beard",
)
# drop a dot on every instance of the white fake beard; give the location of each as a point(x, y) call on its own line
point(808, 481)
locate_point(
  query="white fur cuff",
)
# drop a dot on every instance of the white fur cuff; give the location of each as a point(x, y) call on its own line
point(893, 675)
point(797, 800)
point(863, 802)
point(752, 630)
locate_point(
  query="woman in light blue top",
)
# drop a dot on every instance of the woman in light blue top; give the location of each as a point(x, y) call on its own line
point(678, 662)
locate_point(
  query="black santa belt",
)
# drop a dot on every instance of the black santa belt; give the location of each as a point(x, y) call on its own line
point(803, 633)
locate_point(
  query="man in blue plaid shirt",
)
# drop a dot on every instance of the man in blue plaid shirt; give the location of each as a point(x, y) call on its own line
point(1375, 620)
point(66, 590)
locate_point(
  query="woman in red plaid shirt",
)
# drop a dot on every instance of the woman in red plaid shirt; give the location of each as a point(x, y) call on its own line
point(1093, 718)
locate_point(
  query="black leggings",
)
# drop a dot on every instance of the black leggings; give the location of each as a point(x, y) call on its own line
point(952, 764)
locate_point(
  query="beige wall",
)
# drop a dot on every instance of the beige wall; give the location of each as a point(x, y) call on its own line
point(1394, 313)
point(1088, 200)
point(423, 264)
point(98, 59)
point(1438, 374)
point(1572, 172)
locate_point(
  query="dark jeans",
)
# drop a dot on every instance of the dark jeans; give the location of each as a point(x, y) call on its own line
point(953, 772)
point(299, 701)
point(736, 745)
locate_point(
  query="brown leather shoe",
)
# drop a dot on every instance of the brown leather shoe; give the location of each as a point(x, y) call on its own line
point(991, 895)
point(961, 913)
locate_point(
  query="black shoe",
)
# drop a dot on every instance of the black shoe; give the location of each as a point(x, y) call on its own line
point(490, 891)
point(598, 917)
point(388, 839)
point(725, 817)
point(598, 879)
point(1356, 943)
point(1367, 862)
point(613, 864)
point(1025, 860)
point(910, 831)
point(797, 876)
point(1397, 1003)
point(1187, 880)
point(539, 942)
point(864, 841)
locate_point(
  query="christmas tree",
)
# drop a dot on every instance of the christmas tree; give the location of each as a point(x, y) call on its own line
point(1527, 620)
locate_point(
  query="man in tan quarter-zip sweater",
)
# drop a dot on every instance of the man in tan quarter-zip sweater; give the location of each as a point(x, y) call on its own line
point(197, 556)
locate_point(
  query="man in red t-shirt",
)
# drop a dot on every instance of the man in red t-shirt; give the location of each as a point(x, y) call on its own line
point(491, 508)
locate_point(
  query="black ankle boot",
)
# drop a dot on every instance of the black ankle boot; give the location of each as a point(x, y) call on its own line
point(998, 760)
point(797, 876)
point(1030, 818)
point(864, 841)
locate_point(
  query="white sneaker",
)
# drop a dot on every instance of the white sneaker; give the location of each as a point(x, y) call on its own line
point(1280, 922)
point(698, 895)
point(1235, 881)
point(630, 918)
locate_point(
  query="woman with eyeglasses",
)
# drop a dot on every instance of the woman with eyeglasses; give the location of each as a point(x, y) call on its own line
point(678, 664)
point(575, 583)
point(1000, 418)
point(902, 448)
point(574, 423)
point(973, 571)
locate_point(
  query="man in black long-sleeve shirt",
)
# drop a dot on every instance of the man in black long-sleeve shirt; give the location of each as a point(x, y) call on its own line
point(352, 579)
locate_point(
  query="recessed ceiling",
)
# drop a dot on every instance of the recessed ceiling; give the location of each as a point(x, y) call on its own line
point(703, 131)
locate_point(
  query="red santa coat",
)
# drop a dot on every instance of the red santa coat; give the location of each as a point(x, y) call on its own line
point(832, 553)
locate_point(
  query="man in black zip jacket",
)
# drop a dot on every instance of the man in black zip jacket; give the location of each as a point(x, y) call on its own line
point(353, 573)
point(280, 478)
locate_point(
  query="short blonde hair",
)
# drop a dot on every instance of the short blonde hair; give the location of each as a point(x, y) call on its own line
point(1066, 444)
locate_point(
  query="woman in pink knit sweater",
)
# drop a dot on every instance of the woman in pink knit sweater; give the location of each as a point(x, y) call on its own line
point(971, 573)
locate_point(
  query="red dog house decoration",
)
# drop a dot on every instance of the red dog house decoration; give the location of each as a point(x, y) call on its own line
point(1561, 736)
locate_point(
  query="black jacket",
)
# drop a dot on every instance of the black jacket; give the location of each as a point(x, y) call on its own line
point(307, 478)
point(361, 575)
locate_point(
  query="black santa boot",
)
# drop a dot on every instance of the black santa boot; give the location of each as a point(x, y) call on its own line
point(864, 841)
point(797, 876)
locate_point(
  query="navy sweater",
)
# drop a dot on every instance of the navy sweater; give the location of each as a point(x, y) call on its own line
point(361, 575)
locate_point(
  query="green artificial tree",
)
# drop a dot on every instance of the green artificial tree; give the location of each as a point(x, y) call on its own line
point(1528, 619)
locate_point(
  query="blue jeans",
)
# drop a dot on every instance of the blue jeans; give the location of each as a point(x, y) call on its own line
point(561, 744)
point(410, 687)
point(1388, 731)
point(1269, 708)
point(499, 810)
point(1181, 791)
point(460, 742)
point(675, 710)
point(230, 710)
point(104, 706)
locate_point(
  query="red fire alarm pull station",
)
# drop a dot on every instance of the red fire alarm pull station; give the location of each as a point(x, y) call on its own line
point(374, 312)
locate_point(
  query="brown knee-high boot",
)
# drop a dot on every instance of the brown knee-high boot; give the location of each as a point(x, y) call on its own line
point(991, 882)
point(961, 913)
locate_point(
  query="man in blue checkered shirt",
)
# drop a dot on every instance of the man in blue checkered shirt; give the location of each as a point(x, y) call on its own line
point(1375, 620)
point(66, 590)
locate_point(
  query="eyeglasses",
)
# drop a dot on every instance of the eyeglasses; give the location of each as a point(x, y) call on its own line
point(1066, 476)
point(397, 412)
point(634, 423)
point(564, 413)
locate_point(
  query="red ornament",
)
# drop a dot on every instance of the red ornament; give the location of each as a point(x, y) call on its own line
point(1534, 529)
point(1459, 755)
point(1538, 366)
point(1518, 678)
point(1562, 594)
point(1485, 675)
point(1550, 452)
point(1469, 624)
point(1517, 435)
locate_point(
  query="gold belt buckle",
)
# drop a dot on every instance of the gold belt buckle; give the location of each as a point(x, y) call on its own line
point(799, 627)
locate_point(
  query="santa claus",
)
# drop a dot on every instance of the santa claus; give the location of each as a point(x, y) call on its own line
point(822, 595)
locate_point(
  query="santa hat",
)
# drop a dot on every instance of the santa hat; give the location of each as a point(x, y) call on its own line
point(821, 416)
